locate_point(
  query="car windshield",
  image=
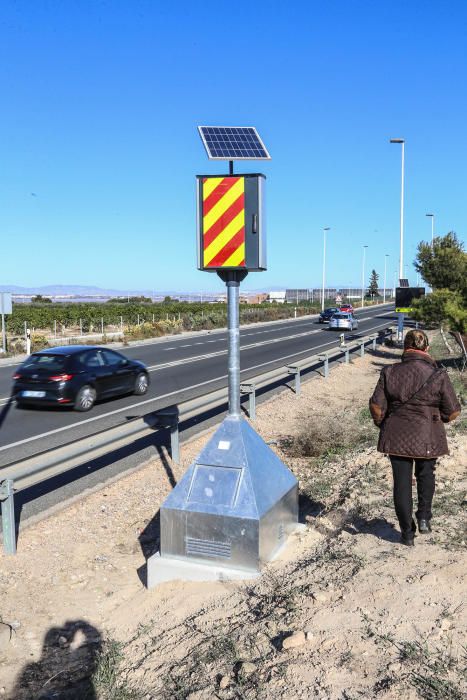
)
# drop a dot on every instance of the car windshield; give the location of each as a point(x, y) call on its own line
point(49, 362)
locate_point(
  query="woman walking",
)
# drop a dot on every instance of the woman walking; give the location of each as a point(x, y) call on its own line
point(412, 400)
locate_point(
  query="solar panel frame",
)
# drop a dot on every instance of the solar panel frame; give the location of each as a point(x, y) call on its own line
point(233, 143)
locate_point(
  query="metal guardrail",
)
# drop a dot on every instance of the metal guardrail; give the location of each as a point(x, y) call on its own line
point(33, 470)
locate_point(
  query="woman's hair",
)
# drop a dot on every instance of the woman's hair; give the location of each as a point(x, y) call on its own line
point(416, 340)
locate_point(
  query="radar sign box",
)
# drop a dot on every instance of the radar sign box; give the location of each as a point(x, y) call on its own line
point(405, 296)
point(231, 231)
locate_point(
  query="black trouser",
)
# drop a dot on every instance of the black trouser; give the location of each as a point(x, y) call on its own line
point(402, 473)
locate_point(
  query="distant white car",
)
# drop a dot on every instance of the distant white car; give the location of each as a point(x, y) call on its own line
point(343, 321)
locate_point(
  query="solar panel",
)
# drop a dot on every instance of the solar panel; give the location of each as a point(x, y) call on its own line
point(233, 143)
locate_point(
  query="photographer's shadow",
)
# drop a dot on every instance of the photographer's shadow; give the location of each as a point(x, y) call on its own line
point(66, 667)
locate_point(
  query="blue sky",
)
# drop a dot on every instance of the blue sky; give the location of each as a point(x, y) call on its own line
point(99, 148)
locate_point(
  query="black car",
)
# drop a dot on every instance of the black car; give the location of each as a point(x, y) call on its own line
point(326, 315)
point(77, 375)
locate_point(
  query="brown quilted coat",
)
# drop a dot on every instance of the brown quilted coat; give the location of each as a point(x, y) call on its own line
point(416, 428)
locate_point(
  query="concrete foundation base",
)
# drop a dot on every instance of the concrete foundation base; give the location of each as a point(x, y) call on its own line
point(163, 569)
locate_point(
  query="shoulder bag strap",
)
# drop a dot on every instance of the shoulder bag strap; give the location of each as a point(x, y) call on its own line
point(427, 381)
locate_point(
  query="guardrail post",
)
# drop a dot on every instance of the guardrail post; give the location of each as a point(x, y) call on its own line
point(169, 418)
point(7, 498)
point(293, 369)
point(362, 349)
point(324, 358)
point(250, 389)
point(174, 440)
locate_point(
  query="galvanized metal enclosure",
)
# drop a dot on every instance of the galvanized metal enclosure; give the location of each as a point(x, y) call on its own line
point(234, 507)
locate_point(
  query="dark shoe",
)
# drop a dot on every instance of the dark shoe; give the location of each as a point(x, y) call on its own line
point(408, 540)
point(424, 527)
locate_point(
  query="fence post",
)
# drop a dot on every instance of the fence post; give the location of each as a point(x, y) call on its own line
point(81, 326)
point(374, 344)
point(362, 349)
point(121, 324)
point(347, 356)
point(7, 498)
point(102, 326)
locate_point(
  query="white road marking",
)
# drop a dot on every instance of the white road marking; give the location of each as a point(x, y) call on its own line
point(206, 356)
point(162, 396)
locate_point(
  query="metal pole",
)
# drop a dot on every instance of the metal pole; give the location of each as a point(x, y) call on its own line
point(2, 311)
point(174, 441)
point(8, 516)
point(232, 280)
point(324, 265)
point(401, 266)
point(233, 295)
point(384, 287)
point(363, 275)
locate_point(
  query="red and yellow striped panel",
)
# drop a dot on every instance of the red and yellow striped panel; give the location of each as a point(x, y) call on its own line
point(224, 222)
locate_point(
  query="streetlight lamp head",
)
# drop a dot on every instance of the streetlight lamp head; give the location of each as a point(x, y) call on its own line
point(429, 214)
point(327, 228)
point(396, 140)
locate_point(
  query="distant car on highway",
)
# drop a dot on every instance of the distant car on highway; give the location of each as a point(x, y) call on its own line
point(346, 308)
point(327, 314)
point(78, 376)
point(343, 321)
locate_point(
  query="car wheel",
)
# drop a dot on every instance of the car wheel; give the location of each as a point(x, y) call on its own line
point(85, 398)
point(141, 384)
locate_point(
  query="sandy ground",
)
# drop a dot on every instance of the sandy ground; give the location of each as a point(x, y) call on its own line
point(346, 612)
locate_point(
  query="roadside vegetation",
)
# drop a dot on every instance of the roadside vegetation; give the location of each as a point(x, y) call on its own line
point(443, 266)
point(124, 321)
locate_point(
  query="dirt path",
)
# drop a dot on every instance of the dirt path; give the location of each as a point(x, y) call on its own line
point(347, 612)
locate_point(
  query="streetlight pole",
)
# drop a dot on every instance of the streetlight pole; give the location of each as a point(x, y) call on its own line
point(363, 275)
point(384, 287)
point(400, 320)
point(324, 264)
point(432, 217)
point(401, 251)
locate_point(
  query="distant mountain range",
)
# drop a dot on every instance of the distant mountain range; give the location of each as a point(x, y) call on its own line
point(90, 291)
point(78, 290)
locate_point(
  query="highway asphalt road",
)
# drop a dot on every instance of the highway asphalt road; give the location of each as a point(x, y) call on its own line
point(181, 368)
